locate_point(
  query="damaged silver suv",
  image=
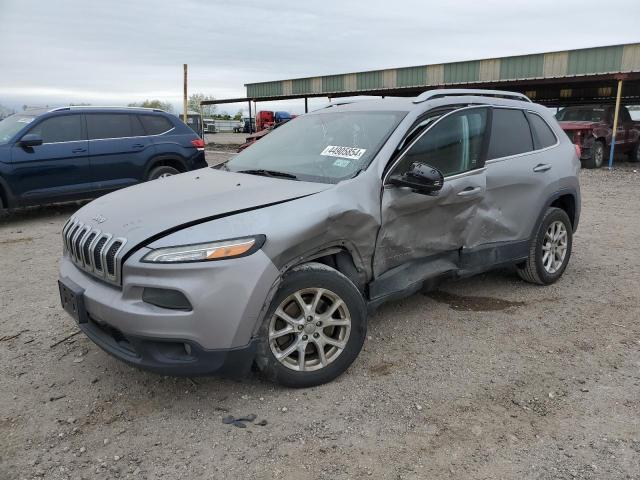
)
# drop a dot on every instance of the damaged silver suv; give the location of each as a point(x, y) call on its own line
point(275, 257)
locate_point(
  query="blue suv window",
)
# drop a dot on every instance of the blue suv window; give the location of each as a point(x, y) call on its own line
point(155, 124)
point(112, 125)
point(62, 128)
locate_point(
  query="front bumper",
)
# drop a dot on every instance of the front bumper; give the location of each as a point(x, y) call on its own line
point(227, 298)
point(168, 356)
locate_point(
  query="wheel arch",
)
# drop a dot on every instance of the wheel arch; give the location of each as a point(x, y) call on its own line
point(566, 200)
point(342, 257)
point(174, 161)
point(5, 194)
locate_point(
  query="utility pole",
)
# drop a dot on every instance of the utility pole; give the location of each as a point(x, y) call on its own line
point(184, 96)
point(615, 124)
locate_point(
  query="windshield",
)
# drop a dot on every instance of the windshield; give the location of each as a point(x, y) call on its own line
point(12, 125)
point(581, 114)
point(324, 147)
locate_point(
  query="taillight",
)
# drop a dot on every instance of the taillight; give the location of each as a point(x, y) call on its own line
point(578, 150)
point(198, 143)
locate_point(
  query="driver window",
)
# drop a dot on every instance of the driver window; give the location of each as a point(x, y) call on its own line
point(453, 145)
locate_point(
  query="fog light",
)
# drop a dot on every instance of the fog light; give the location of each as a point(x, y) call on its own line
point(187, 348)
point(166, 298)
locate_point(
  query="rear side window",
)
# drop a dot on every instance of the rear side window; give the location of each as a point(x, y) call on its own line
point(510, 134)
point(109, 125)
point(63, 128)
point(542, 131)
point(155, 124)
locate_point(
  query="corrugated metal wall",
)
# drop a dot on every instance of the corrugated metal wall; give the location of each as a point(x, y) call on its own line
point(589, 61)
point(411, 76)
point(461, 72)
point(301, 85)
point(595, 60)
point(266, 89)
point(333, 83)
point(369, 80)
point(526, 66)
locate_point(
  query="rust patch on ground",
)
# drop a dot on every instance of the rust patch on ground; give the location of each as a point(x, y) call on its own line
point(472, 304)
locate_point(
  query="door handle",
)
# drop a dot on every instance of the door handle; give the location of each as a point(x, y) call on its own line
point(542, 167)
point(467, 192)
point(137, 145)
point(78, 150)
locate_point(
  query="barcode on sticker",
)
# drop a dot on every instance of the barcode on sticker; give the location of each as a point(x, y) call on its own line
point(351, 153)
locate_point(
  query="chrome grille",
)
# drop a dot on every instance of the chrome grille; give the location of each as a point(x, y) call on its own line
point(94, 251)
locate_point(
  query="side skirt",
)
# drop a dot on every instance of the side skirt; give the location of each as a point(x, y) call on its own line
point(425, 273)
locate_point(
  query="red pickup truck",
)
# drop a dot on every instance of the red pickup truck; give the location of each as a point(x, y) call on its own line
point(590, 126)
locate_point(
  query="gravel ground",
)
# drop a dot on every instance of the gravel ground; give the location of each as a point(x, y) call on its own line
point(487, 378)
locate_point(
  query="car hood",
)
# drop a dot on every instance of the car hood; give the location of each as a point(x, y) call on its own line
point(577, 125)
point(153, 209)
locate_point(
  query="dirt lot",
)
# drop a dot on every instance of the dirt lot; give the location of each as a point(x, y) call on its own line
point(487, 378)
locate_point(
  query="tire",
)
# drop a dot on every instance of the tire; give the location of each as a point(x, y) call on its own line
point(597, 156)
point(634, 156)
point(307, 331)
point(162, 172)
point(535, 268)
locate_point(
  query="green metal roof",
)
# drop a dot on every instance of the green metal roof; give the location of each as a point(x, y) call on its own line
point(591, 62)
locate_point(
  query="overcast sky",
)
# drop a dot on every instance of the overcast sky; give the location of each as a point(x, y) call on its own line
point(54, 52)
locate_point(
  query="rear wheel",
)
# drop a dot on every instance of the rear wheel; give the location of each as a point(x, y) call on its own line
point(597, 156)
point(162, 172)
point(634, 156)
point(314, 329)
point(550, 249)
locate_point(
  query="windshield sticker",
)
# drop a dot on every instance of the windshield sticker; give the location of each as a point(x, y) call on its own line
point(341, 163)
point(26, 120)
point(351, 153)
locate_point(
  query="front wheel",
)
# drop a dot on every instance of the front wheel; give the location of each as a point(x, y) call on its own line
point(314, 329)
point(550, 249)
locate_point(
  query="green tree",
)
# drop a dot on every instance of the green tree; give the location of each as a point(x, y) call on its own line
point(166, 106)
point(238, 116)
point(194, 101)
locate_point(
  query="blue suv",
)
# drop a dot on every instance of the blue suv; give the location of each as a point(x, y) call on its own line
point(72, 153)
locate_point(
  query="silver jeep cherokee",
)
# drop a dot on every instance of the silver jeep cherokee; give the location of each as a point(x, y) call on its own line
point(276, 256)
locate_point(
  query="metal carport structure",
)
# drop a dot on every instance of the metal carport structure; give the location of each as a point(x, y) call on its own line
point(588, 75)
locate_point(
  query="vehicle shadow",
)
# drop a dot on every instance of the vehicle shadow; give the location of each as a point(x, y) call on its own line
point(41, 212)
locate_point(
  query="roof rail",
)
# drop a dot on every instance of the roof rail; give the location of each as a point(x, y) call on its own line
point(431, 94)
point(74, 107)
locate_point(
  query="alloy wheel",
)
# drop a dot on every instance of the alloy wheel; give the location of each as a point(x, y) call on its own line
point(554, 247)
point(309, 329)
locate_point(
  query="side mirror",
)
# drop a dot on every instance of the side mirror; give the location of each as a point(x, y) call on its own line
point(421, 178)
point(31, 140)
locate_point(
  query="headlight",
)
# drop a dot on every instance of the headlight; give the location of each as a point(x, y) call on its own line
point(200, 252)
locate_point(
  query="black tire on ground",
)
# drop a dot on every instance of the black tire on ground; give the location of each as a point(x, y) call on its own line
point(533, 270)
point(634, 156)
point(313, 276)
point(160, 172)
point(597, 156)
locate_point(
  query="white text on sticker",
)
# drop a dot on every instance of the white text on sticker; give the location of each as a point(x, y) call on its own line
point(351, 153)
